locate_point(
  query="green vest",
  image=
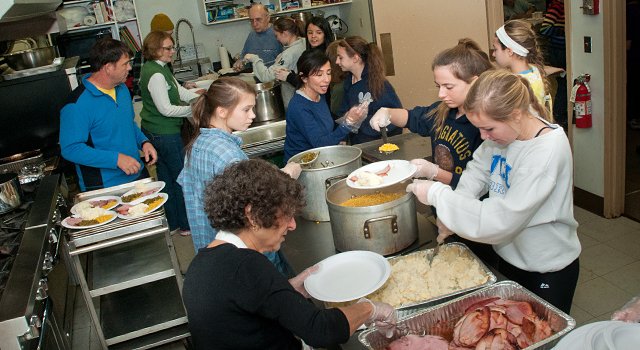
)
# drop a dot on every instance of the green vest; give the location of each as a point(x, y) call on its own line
point(152, 120)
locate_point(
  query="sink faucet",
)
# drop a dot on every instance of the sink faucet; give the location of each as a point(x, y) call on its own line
point(195, 48)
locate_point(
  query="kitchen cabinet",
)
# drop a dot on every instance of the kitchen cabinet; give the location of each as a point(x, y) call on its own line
point(129, 278)
point(118, 15)
point(207, 9)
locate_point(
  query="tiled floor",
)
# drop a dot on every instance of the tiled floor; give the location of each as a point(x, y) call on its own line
point(609, 274)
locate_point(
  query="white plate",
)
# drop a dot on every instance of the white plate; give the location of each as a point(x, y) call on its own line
point(101, 198)
point(400, 171)
point(348, 276)
point(147, 186)
point(164, 200)
point(110, 212)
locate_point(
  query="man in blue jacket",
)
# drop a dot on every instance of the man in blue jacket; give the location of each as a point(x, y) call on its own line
point(97, 128)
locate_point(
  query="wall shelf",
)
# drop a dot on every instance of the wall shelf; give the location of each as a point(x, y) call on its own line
point(203, 12)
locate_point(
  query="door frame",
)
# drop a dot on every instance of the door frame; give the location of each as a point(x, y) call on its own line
point(615, 114)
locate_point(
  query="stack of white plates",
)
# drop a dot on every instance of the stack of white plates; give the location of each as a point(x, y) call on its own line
point(604, 335)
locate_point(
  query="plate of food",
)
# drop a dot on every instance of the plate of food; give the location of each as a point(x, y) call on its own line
point(104, 202)
point(89, 218)
point(144, 207)
point(381, 174)
point(348, 276)
point(141, 191)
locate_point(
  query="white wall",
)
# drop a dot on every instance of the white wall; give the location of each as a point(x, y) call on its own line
point(232, 35)
point(588, 144)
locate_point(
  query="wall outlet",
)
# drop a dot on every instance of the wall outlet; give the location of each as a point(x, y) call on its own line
point(587, 44)
point(188, 53)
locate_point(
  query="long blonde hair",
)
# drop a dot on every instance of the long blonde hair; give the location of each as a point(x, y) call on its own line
point(498, 93)
point(225, 92)
point(522, 33)
point(465, 61)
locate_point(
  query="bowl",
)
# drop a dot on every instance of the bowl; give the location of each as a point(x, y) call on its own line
point(31, 58)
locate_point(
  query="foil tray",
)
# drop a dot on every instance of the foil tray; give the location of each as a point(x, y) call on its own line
point(412, 308)
point(440, 319)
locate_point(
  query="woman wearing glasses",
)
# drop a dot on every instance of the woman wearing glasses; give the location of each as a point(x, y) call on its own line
point(165, 104)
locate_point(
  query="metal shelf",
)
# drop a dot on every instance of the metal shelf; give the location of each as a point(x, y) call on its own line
point(140, 311)
point(131, 264)
point(154, 339)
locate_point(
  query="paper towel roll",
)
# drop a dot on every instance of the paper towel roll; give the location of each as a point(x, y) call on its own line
point(224, 57)
point(89, 20)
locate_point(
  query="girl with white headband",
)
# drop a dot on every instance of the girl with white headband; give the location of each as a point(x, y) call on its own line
point(515, 47)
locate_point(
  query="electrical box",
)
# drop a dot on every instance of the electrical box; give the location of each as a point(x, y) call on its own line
point(590, 7)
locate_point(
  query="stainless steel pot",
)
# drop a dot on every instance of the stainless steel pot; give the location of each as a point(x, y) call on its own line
point(269, 105)
point(385, 228)
point(31, 58)
point(334, 163)
point(10, 192)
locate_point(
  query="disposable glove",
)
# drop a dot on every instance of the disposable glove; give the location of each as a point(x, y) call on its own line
point(425, 168)
point(293, 169)
point(630, 312)
point(383, 315)
point(443, 231)
point(298, 282)
point(421, 189)
point(380, 119)
point(253, 58)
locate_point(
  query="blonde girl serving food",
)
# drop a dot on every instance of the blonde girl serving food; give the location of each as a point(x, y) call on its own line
point(515, 47)
point(525, 166)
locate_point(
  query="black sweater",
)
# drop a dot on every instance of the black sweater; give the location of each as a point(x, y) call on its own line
point(236, 299)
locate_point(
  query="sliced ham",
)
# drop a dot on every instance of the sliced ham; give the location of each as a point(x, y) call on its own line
point(497, 339)
point(481, 303)
point(416, 342)
point(123, 209)
point(384, 172)
point(471, 327)
point(74, 221)
point(516, 310)
point(100, 203)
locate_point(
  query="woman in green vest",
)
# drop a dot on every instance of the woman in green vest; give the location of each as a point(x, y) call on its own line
point(165, 105)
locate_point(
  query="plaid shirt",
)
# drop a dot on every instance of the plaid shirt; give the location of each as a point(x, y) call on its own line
point(212, 152)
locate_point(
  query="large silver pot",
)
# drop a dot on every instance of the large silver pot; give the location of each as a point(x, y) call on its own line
point(384, 228)
point(332, 164)
point(10, 192)
point(31, 58)
point(269, 105)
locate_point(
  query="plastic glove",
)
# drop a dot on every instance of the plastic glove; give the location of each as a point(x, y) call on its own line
point(253, 58)
point(383, 315)
point(630, 312)
point(298, 282)
point(421, 189)
point(425, 168)
point(380, 119)
point(281, 74)
point(292, 169)
point(443, 231)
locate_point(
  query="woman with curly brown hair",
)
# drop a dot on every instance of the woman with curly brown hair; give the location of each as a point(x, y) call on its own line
point(362, 61)
point(235, 298)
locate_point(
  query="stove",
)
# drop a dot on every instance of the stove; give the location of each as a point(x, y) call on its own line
point(30, 318)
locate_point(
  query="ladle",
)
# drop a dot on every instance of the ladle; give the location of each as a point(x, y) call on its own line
point(309, 162)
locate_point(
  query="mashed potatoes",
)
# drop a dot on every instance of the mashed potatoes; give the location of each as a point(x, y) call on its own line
point(413, 280)
point(89, 213)
point(137, 210)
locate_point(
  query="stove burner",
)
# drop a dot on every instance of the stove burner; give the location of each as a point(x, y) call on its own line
point(11, 229)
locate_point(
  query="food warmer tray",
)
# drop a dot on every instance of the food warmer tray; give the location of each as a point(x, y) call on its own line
point(146, 225)
point(412, 308)
point(440, 319)
point(411, 146)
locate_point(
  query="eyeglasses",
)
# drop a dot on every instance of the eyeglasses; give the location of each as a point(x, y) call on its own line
point(169, 48)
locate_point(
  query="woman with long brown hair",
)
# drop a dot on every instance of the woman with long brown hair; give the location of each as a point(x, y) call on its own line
point(211, 147)
point(362, 61)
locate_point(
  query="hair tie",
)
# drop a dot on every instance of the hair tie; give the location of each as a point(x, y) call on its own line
point(506, 40)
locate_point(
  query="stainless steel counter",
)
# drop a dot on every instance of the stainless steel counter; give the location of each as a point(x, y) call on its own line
point(265, 138)
point(312, 242)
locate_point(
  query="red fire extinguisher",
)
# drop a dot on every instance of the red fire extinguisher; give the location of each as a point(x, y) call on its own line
point(581, 98)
